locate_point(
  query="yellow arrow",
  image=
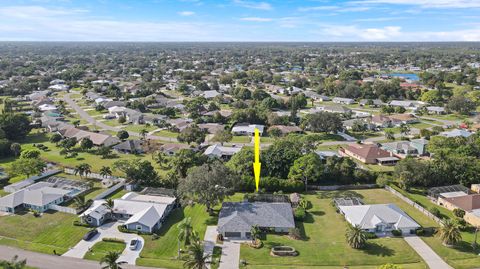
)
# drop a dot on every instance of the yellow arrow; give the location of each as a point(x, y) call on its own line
point(257, 165)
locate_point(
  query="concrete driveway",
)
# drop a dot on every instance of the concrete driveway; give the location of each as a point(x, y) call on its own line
point(431, 258)
point(109, 230)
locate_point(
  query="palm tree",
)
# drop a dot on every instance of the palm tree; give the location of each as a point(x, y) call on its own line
point(196, 259)
point(83, 169)
point(105, 171)
point(389, 135)
point(81, 202)
point(254, 233)
point(449, 233)
point(110, 259)
point(13, 264)
point(185, 230)
point(356, 237)
point(404, 129)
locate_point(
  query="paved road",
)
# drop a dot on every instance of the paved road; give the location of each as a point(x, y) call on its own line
point(84, 115)
point(109, 230)
point(431, 258)
point(44, 261)
point(230, 258)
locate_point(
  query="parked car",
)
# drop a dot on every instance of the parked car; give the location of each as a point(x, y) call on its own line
point(90, 234)
point(134, 243)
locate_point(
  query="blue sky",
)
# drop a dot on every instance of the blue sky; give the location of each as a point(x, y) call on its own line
point(240, 20)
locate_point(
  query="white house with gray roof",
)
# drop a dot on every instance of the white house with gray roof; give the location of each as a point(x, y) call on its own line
point(220, 151)
point(237, 219)
point(379, 218)
point(247, 129)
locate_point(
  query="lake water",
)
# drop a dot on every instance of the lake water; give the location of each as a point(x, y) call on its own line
point(413, 77)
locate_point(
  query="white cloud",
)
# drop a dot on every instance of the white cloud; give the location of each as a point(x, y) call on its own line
point(186, 13)
point(335, 8)
point(391, 34)
point(256, 19)
point(426, 3)
point(25, 12)
point(253, 4)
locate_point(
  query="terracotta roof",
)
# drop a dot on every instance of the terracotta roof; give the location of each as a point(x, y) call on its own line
point(368, 151)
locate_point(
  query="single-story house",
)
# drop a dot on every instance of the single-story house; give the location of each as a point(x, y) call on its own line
point(39, 196)
point(402, 149)
point(247, 129)
point(210, 94)
point(403, 118)
point(379, 218)
point(98, 139)
point(171, 149)
point(456, 133)
point(211, 128)
point(143, 213)
point(368, 154)
point(407, 104)
point(221, 151)
point(333, 109)
point(345, 101)
point(371, 102)
point(284, 129)
point(324, 154)
point(130, 146)
point(436, 110)
point(236, 220)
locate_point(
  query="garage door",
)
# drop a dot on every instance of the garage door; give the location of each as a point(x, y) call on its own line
point(233, 234)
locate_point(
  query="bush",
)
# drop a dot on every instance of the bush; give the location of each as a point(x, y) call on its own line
point(123, 229)
point(459, 212)
point(420, 232)
point(300, 214)
point(113, 240)
point(371, 235)
point(81, 224)
point(295, 233)
point(272, 184)
point(397, 233)
point(436, 212)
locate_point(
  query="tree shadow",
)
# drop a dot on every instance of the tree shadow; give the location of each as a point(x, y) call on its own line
point(303, 234)
point(463, 246)
point(317, 213)
point(378, 250)
point(175, 217)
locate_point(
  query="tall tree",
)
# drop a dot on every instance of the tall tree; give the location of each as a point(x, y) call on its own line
point(15, 126)
point(110, 260)
point(196, 258)
point(356, 237)
point(83, 169)
point(192, 134)
point(449, 232)
point(185, 231)
point(105, 171)
point(307, 168)
point(16, 148)
point(138, 171)
point(208, 184)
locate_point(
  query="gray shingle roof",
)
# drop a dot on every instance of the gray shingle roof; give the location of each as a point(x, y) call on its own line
point(240, 217)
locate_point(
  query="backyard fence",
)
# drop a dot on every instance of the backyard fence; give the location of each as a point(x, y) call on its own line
point(412, 203)
point(111, 190)
point(93, 175)
point(342, 187)
point(63, 209)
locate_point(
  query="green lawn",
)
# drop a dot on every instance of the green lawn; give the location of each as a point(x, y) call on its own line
point(139, 127)
point(166, 133)
point(101, 248)
point(52, 231)
point(241, 139)
point(53, 155)
point(324, 243)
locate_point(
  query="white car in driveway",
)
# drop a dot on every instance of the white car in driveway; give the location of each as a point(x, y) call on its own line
point(134, 243)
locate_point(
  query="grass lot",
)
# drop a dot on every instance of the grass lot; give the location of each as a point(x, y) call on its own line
point(100, 249)
point(53, 155)
point(52, 231)
point(166, 133)
point(137, 128)
point(324, 242)
point(241, 139)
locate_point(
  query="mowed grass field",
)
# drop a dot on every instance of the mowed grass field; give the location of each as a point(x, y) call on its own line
point(52, 231)
point(100, 249)
point(324, 244)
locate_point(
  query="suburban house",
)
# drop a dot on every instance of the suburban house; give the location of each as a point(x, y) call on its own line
point(383, 121)
point(171, 149)
point(210, 94)
point(220, 151)
point(372, 102)
point(98, 139)
point(40, 196)
point(379, 218)
point(436, 110)
point(332, 109)
point(211, 128)
point(284, 129)
point(143, 213)
point(130, 147)
point(456, 133)
point(368, 154)
point(466, 200)
point(237, 219)
point(247, 129)
point(324, 154)
point(344, 101)
point(407, 104)
point(402, 149)
point(403, 118)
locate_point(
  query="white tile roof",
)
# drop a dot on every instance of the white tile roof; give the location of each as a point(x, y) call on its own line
point(369, 216)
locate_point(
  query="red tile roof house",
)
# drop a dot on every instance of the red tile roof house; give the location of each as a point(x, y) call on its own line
point(368, 154)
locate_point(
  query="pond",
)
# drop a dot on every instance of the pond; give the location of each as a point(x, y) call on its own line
point(413, 77)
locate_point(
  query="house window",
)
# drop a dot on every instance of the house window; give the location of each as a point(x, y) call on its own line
point(139, 227)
